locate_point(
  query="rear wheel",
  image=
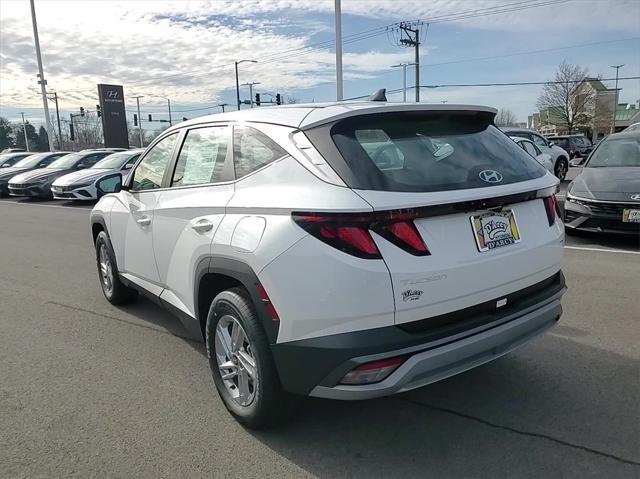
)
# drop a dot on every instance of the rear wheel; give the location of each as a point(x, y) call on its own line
point(112, 288)
point(241, 363)
point(561, 168)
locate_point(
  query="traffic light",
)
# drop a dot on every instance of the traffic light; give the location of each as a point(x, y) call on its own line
point(278, 99)
point(98, 111)
point(257, 99)
point(72, 131)
point(150, 119)
point(81, 111)
point(135, 119)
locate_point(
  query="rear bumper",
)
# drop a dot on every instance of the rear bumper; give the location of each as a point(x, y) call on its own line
point(316, 366)
point(605, 219)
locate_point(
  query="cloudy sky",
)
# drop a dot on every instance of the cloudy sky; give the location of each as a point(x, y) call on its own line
point(185, 50)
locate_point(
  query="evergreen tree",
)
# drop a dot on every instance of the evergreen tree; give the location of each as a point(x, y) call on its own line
point(32, 136)
point(43, 139)
point(6, 138)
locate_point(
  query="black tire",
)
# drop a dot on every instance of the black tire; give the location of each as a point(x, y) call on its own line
point(117, 293)
point(270, 405)
point(561, 168)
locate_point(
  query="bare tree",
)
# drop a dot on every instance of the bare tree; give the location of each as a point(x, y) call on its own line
point(505, 117)
point(568, 96)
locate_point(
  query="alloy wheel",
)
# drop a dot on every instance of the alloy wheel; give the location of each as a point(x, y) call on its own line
point(106, 270)
point(235, 359)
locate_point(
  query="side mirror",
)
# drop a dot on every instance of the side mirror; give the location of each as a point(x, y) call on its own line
point(109, 184)
point(551, 143)
point(128, 166)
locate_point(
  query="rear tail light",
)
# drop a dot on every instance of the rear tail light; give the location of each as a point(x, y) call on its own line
point(350, 232)
point(264, 297)
point(552, 208)
point(373, 372)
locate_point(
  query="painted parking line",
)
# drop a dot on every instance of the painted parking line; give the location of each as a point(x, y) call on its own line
point(602, 250)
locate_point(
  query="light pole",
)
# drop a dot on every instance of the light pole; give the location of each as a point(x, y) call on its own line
point(168, 106)
point(55, 99)
point(404, 78)
point(338, 20)
point(251, 90)
point(237, 84)
point(24, 130)
point(139, 118)
point(615, 105)
point(42, 81)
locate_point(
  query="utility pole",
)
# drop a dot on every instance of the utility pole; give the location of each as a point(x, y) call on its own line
point(238, 84)
point(24, 130)
point(139, 118)
point(615, 105)
point(55, 99)
point(251, 89)
point(339, 85)
point(404, 78)
point(413, 40)
point(42, 81)
point(222, 105)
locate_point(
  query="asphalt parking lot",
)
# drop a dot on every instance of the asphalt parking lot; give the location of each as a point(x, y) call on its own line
point(91, 390)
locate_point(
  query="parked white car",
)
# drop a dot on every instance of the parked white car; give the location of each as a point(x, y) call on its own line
point(81, 185)
point(558, 155)
point(342, 250)
point(543, 158)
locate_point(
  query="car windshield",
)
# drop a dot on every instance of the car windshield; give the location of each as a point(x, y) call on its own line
point(115, 161)
point(431, 152)
point(67, 161)
point(31, 161)
point(9, 159)
point(616, 152)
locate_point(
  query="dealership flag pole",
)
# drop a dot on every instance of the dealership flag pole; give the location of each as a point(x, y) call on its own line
point(42, 81)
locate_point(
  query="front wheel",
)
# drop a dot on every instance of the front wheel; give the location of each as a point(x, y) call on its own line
point(561, 168)
point(241, 363)
point(112, 288)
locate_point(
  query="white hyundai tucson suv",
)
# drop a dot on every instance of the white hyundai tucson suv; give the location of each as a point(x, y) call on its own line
point(343, 250)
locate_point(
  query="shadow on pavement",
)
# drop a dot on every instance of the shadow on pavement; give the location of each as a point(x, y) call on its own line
point(557, 408)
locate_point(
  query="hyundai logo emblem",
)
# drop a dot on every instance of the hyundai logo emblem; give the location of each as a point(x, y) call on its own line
point(636, 197)
point(112, 94)
point(490, 176)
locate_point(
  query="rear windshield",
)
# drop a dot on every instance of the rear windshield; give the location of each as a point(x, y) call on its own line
point(433, 151)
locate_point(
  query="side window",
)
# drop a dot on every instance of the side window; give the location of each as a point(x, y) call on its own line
point(201, 157)
point(48, 160)
point(149, 172)
point(539, 141)
point(131, 163)
point(529, 148)
point(252, 150)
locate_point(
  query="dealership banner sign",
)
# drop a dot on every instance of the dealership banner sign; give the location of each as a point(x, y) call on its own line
point(114, 119)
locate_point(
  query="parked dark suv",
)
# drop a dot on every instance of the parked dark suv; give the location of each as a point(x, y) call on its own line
point(576, 145)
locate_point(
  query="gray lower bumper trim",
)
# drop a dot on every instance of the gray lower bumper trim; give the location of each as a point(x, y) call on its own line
point(450, 359)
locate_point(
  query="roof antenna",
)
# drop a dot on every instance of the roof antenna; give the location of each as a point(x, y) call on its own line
point(379, 95)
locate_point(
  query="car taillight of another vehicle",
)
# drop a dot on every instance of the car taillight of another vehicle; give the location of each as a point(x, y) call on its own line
point(351, 232)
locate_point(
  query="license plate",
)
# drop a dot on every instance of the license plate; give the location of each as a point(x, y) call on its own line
point(630, 216)
point(495, 230)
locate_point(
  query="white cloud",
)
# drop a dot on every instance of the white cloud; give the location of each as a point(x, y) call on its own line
point(187, 47)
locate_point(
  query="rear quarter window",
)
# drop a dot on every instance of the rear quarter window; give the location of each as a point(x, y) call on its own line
point(426, 151)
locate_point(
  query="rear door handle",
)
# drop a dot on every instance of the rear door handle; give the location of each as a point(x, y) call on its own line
point(144, 221)
point(202, 226)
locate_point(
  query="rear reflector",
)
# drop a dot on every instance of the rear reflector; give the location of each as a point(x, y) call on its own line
point(373, 372)
point(264, 297)
point(350, 232)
